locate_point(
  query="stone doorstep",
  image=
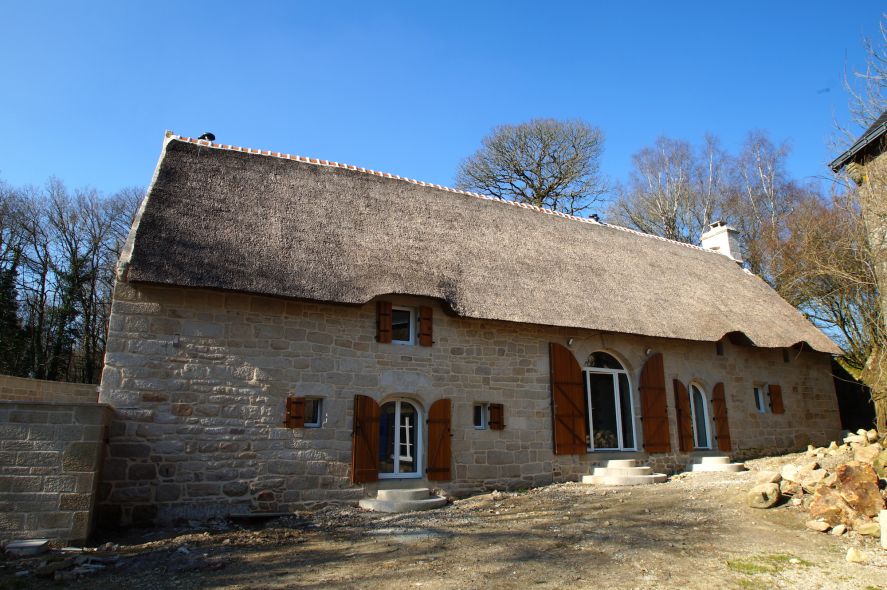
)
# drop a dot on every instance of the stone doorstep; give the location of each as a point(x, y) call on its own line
point(403, 500)
point(624, 480)
point(623, 472)
point(722, 464)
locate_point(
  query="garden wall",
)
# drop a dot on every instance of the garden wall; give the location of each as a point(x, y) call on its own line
point(50, 457)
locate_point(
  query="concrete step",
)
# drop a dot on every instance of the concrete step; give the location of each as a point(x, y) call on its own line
point(403, 495)
point(622, 463)
point(623, 472)
point(715, 460)
point(722, 464)
point(624, 480)
point(408, 500)
point(620, 471)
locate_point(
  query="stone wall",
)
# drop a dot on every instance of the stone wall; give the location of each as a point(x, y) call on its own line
point(37, 390)
point(50, 454)
point(198, 380)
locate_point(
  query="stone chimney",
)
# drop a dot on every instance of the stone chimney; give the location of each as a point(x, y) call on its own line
point(722, 238)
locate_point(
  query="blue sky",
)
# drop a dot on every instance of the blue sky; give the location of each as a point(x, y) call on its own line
point(410, 87)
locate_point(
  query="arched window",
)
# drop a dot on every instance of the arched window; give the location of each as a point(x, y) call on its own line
point(610, 407)
point(400, 440)
point(699, 409)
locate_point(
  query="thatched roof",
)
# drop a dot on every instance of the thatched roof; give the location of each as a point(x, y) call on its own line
point(235, 219)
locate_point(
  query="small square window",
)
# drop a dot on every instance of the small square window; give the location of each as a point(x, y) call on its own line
point(480, 416)
point(313, 412)
point(760, 400)
point(403, 325)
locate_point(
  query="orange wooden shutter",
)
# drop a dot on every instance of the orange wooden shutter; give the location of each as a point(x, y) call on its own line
point(383, 321)
point(719, 410)
point(295, 412)
point(775, 392)
point(568, 402)
point(439, 446)
point(365, 440)
point(425, 326)
point(497, 417)
point(654, 406)
point(685, 417)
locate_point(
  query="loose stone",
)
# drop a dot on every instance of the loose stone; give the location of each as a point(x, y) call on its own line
point(818, 525)
point(764, 495)
point(854, 555)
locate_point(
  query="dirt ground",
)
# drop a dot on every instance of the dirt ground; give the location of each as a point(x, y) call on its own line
point(694, 531)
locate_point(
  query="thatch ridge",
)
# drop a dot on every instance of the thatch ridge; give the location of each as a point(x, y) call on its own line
point(232, 218)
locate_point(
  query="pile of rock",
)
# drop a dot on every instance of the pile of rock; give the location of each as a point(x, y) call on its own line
point(841, 495)
point(65, 564)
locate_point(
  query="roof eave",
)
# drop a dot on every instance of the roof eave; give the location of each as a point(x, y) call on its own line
point(862, 143)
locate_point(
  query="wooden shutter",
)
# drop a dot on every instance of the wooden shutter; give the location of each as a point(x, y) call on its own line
point(383, 321)
point(425, 326)
point(365, 440)
point(775, 392)
point(497, 417)
point(685, 417)
point(719, 409)
point(568, 402)
point(439, 447)
point(654, 406)
point(295, 412)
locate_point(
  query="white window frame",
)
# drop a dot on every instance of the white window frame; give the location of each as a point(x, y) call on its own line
point(761, 403)
point(319, 402)
point(412, 340)
point(615, 375)
point(705, 416)
point(484, 415)
point(418, 451)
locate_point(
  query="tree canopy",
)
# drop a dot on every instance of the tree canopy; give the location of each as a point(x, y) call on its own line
point(543, 162)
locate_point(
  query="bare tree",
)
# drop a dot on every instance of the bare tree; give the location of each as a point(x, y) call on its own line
point(68, 248)
point(764, 197)
point(866, 87)
point(543, 162)
point(829, 273)
point(675, 189)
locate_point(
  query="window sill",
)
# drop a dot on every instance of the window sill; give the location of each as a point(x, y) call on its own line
point(400, 476)
point(613, 451)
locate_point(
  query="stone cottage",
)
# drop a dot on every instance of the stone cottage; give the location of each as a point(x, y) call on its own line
point(289, 331)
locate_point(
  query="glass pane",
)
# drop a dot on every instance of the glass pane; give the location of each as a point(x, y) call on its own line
point(759, 399)
point(408, 438)
point(603, 411)
point(602, 360)
point(312, 411)
point(627, 417)
point(400, 325)
point(386, 438)
point(699, 427)
point(479, 416)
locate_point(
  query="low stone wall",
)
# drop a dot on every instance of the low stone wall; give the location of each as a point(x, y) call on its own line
point(50, 458)
point(36, 390)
